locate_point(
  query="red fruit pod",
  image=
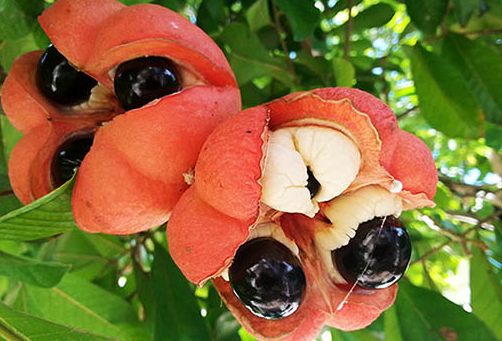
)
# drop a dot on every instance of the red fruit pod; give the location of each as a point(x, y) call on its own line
point(135, 171)
point(339, 148)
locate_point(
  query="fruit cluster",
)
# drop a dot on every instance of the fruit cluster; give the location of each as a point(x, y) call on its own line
point(290, 207)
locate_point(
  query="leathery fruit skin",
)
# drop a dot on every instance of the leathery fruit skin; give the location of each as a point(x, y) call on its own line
point(134, 173)
point(227, 199)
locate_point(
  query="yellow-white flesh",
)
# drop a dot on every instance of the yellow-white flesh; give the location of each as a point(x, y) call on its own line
point(331, 156)
point(346, 213)
point(272, 230)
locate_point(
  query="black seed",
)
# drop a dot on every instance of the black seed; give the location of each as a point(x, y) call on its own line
point(60, 82)
point(377, 256)
point(144, 79)
point(69, 157)
point(268, 279)
point(312, 184)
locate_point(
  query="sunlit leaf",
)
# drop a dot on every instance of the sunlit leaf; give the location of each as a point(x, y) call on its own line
point(373, 16)
point(16, 326)
point(486, 292)
point(14, 22)
point(12, 48)
point(30, 271)
point(421, 314)
point(83, 305)
point(258, 15)
point(45, 217)
point(445, 101)
point(481, 72)
point(344, 72)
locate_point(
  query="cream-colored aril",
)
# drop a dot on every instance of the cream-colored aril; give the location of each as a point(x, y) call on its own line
point(346, 213)
point(331, 156)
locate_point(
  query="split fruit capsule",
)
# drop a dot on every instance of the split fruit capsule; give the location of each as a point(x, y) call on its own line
point(127, 95)
point(293, 213)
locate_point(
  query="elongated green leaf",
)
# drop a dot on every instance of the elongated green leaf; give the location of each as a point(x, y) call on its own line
point(249, 59)
point(170, 304)
point(303, 16)
point(358, 335)
point(210, 15)
point(464, 10)
point(42, 218)
point(258, 15)
point(481, 72)
point(445, 101)
point(426, 14)
point(178, 311)
point(421, 314)
point(80, 304)
point(16, 326)
point(344, 72)
point(10, 136)
point(486, 292)
point(31, 271)
point(14, 22)
point(373, 16)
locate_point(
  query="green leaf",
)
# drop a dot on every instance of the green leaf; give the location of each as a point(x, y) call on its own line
point(486, 292)
point(493, 136)
point(421, 314)
point(31, 271)
point(14, 22)
point(12, 48)
point(358, 335)
point(427, 14)
point(343, 4)
point(211, 15)
point(16, 326)
point(170, 304)
point(175, 5)
point(177, 315)
point(8, 203)
point(88, 254)
point(481, 67)
point(4, 174)
point(45, 217)
point(464, 10)
point(445, 101)
point(344, 72)
point(10, 136)
point(373, 16)
point(83, 305)
point(304, 17)
point(249, 59)
point(258, 15)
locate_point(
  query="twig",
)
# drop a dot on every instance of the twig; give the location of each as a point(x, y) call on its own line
point(5, 193)
point(483, 32)
point(348, 31)
point(461, 235)
point(280, 31)
point(406, 113)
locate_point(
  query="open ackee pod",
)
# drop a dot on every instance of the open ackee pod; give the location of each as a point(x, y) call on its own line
point(134, 173)
point(301, 174)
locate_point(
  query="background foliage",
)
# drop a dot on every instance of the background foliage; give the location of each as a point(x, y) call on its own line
point(437, 63)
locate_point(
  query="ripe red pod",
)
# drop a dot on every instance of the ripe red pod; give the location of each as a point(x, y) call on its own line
point(281, 190)
point(144, 139)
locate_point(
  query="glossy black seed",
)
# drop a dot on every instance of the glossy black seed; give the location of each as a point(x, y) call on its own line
point(377, 256)
point(268, 279)
point(60, 82)
point(69, 157)
point(144, 79)
point(312, 184)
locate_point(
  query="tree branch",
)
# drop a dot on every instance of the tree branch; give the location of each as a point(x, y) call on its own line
point(348, 31)
point(6, 193)
point(463, 236)
point(406, 113)
point(280, 32)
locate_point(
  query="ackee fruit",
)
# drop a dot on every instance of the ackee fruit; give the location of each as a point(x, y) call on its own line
point(324, 174)
point(145, 82)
